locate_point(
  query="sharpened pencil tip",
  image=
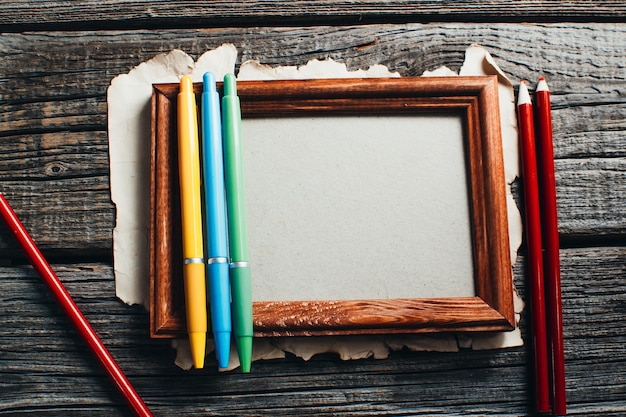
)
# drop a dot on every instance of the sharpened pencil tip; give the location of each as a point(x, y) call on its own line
point(523, 96)
point(542, 85)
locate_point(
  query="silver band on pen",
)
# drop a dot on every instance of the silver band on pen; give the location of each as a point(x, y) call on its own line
point(193, 261)
point(242, 264)
point(220, 260)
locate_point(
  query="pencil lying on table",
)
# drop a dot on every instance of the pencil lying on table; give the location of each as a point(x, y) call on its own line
point(71, 309)
point(550, 235)
point(533, 241)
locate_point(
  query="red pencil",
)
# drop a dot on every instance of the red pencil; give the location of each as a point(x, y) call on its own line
point(71, 309)
point(533, 241)
point(550, 235)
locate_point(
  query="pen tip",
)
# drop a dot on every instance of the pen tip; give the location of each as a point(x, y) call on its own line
point(244, 348)
point(222, 348)
point(197, 343)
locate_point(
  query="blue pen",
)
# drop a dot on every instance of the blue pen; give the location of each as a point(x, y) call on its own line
point(215, 197)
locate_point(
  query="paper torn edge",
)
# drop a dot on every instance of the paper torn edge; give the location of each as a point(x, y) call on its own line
point(131, 127)
point(129, 156)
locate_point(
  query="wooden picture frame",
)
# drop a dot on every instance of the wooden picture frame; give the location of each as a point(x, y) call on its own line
point(474, 99)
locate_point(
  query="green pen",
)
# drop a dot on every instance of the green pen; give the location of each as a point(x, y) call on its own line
point(241, 291)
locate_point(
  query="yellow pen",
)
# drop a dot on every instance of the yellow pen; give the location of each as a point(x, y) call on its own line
point(190, 202)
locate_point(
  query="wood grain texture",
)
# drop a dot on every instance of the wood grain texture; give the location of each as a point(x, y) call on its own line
point(472, 98)
point(592, 185)
point(53, 91)
point(44, 369)
point(53, 95)
point(26, 15)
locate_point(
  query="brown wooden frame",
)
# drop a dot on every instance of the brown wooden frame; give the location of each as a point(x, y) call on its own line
point(475, 99)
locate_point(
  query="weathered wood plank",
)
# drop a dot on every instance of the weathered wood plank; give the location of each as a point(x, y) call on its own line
point(53, 102)
point(63, 113)
point(581, 61)
point(53, 168)
point(588, 131)
point(72, 216)
point(45, 369)
point(591, 196)
point(58, 155)
point(22, 15)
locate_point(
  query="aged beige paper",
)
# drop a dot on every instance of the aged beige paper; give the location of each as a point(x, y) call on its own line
point(129, 146)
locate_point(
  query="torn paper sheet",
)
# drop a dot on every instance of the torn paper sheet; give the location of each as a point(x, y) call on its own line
point(254, 70)
point(129, 97)
point(129, 145)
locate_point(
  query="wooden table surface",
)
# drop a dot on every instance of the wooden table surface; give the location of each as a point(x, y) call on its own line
point(58, 59)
